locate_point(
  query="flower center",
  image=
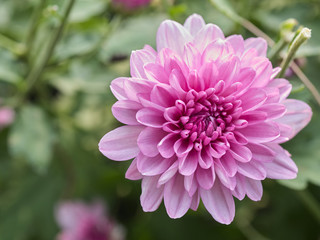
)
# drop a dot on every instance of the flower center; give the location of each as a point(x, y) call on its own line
point(204, 117)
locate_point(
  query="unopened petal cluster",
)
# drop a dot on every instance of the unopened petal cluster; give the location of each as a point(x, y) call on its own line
point(204, 115)
point(131, 4)
point(80, 221)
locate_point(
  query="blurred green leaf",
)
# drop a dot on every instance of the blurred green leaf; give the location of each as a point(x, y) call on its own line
point(85, 9)
point(133, 34)
point(31, 138)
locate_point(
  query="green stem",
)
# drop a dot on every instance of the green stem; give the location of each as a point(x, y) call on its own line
point(34, 26)
point(311, 203)
point(37, 70)
point(303, 36)
point(276, 49)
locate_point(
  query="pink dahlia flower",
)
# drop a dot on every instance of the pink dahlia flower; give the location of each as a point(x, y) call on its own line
point(85, 222)
point(204, 118)
point(6, 116)
point(131, 4)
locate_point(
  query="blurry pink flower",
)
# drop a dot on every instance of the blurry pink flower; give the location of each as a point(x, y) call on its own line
point(84, 222)
point(6, 116)
point(131, 4)
point(204, 118)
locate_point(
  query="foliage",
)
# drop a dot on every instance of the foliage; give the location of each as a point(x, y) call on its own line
point(50, 152)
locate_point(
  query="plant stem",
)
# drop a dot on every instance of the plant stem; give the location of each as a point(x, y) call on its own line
point(37, 70)
point(276, 49)
point(311, 203)
point(303, 36)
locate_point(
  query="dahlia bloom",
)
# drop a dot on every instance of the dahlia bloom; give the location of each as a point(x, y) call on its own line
point(131, 4)
point(204, 118)
point(6, 116)
point(86, 222)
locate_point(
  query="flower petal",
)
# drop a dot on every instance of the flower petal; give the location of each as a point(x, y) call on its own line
point(298, 115)
point(121, 143)
point(151, 195)
point(138, 59)
point(133, 172)
point(194, 23)
point(257, 43)
point(176, 199)
point(261, 132)
point(282, 167)
point(172, 35)
point(252, 169)
point(150, 117)
point(219, 202)
point(151, 166)
point(149, 139)
point(125, 111)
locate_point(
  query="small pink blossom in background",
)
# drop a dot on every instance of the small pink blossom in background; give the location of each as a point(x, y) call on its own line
point(6, 116)
point(205, 116)
point(79, 221)
point(131, 4)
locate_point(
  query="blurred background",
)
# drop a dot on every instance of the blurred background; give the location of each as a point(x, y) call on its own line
point(57, 59)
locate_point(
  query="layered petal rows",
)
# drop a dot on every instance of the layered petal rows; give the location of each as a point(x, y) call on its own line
point(204, 118)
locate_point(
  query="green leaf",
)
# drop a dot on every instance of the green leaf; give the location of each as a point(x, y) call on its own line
point(85, 9)
point(132, 35)
point(31, 138)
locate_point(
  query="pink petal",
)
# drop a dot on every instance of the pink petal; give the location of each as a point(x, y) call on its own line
point(298, 115)
point(195, 202)
point(273, 110)
point(194, 23)
point(151, 166)
point(261, 152)
point(253, 169)
point(206, 35)
point(117, 88)
point(151, 195)
point(167, 175)
point(135, 86)
point(189, 163)
point(282, 167)
point(133, 172)
point(125, 111)
point(165, 146)
point(240, 152)
point(205, 177)
point(150, 117)
point(257, 43)
point(190, 184)
point(172, 35)
point(121, 143)
point(261, 132)
point(252, 99)
point(219, 202)
point(283, 85)
point(254, 189)
point(237, 44)
point(229, 164)
point(163, 96)
point(138, 59)
point(228, 182)
point(176, 199)
point(149, 139)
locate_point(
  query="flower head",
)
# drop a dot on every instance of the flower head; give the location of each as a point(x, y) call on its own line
point(6, 116)
point(131, 4)
point(85, 222)
point(204, 118)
